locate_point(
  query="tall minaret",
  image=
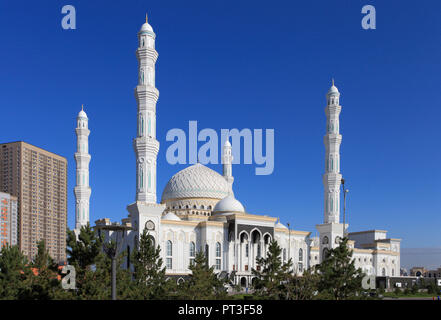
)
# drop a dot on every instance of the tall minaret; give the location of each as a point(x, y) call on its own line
point(227, 161)
point(332, 140)
point(331, 231)
point(82, 158)
point(145, 144)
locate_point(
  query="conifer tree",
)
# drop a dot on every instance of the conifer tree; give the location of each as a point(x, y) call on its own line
point(339, 279)
point(14, 269)
point(82, 252)
point(203, 283)
point(149, 273)
point(272, 278)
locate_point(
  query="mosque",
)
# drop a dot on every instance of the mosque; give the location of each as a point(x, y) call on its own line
point(199, 212)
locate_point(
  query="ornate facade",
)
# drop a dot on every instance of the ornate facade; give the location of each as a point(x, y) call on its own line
point(198, 209)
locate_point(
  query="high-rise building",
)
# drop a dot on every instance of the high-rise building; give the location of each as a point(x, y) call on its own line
point(38, 178)
point(8, 220)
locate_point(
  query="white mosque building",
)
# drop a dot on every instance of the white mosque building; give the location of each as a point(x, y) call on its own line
point(198, 209)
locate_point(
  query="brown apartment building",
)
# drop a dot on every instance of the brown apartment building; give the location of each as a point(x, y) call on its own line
point(38, 178)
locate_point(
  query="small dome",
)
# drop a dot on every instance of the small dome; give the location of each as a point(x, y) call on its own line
point(228, 204)
point(280, 225)
point(333, 89)
point(146, 27)
point(171, 216)
point(82, 114)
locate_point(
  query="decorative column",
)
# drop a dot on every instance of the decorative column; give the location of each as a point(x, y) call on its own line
point(145, 144)
point(82, 190)
point(332, 141)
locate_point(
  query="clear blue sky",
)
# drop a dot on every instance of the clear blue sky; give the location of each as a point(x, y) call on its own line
point(241, 64)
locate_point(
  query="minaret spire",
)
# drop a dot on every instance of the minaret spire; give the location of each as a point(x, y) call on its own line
point(145, 144)
point(82, 190)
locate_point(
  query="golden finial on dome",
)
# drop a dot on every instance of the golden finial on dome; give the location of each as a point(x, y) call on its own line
point(146, 18)
point(82, 107)
point(332, 81)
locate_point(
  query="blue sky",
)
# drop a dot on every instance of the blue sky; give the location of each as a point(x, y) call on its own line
point(241, 64)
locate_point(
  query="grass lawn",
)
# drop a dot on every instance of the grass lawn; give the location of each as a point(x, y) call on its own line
point(410, 295)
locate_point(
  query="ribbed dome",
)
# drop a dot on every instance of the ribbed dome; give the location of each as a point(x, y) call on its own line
point(228, 204)
point(196, 181)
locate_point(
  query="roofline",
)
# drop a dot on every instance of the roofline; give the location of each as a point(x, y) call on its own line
point(368, 231)
point(33, 145)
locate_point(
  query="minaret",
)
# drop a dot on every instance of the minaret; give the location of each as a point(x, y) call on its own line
point(227, 161)
point(145, 212)
point(332, 140)
point(82, 158)
point(145, 144)
point(331, 231)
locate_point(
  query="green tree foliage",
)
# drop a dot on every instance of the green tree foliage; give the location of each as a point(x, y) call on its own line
point(82, 252)
point(14, 269)
point(272, 279)
point(203, 283)
point(303, 287)
point(149, 277)
point(339, 279)
point(44, 282)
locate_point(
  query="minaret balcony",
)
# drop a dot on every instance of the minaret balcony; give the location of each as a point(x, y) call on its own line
point(146, 53)
point(146, 144)
point(82, 132)
point(145, 93)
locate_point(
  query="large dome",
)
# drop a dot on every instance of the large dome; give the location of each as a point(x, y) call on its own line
point(196, 181)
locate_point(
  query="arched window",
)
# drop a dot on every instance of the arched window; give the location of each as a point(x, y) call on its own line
point(169, 251)
point(192, 252)
point(128, 257)
point(246, 250)
point(258, 250)
point(152, 240)
point(284, 255)
point(393, 273)
point(383, 272)
point(325, 240)
point(218, 256)
point(325, 253)
point(207, 253)
point(300, 254)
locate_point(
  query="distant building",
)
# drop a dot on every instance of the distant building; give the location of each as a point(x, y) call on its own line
point(38, 178)
point(417, 271)
point(8, 220)
point(433, 273)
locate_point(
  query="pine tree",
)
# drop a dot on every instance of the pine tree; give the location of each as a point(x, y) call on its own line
point(272, 278)
point(14, 270)
point(43, 282)
point(339, 279)
point(149, 273)
point(203, 283)
point(303, 287)
point(83, 252)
